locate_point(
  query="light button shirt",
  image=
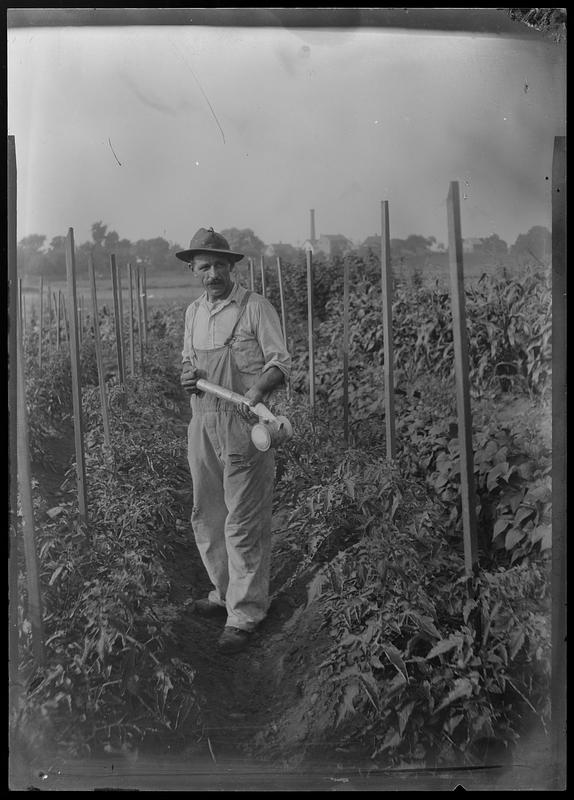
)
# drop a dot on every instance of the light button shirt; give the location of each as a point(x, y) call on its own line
point(259, 343)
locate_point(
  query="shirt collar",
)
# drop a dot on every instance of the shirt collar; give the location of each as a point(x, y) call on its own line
point(234, 296)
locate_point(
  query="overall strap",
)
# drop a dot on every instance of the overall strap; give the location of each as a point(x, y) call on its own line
point(242, 307)
point(192, 314)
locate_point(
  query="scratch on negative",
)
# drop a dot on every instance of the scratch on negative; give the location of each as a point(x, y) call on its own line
point(113, 151)
point(188, 65)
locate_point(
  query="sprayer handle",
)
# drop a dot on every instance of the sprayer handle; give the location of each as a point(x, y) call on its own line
point(233, 397)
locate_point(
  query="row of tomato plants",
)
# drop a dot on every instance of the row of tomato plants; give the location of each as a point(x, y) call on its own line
point(111, 678)
point(424, 665)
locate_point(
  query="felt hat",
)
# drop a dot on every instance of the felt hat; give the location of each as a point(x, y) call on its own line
point(206, 240)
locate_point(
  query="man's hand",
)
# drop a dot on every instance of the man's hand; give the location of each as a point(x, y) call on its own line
point(252, 397)
point(188, 379)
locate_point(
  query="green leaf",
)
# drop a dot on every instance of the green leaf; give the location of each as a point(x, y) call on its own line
point(445, 645)
point(516, 641)
point(426, 624)
point(500, 526)
point(513, 536)
point(524, 513)
point(55, 574)
point(498, 471)
point(315, 587)
point(452, 722)
point(546, 542)
point(462, 688)
point(376, 662)
point(540, 532)
point(467, 608)
point(346, 705)
point(403, 716)
point(396, 660)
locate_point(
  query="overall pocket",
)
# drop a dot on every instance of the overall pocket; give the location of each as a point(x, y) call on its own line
point(248, 356)
point(240, 448)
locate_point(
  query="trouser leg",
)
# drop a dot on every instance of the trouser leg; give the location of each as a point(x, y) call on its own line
point(248, 486)
point(209, 511)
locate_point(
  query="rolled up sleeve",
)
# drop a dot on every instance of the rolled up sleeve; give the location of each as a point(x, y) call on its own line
point(270, 336)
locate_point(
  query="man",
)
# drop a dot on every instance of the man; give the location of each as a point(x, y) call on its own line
point(232, 338)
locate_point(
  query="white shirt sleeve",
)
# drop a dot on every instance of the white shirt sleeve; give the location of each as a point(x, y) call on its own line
point(270, 336)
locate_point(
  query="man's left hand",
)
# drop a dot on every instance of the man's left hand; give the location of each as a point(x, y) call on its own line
point(252, 397)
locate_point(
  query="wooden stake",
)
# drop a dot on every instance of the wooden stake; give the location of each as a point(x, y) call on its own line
point(387, 295)
point(66, 319)
point(283, 312)
point(76, 376)
point(117, 318)
point(41, 325)
point(144, 305)
point(559, 560)
point(22, 307)
point(121, 318)
point(98, 348)
point(468, 492)
point(57, 301)
point(139, 297)
point(14, 322)
point(131, 296)
point(310, 331)
point(282, 300)
point(53, 320)
point(80, 321)
point(25, 484)
point(48, 326)
point(263, 287)
point(346, 351)
point(252, 274)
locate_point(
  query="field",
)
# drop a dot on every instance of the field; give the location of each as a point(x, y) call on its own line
point(377, 657)
point(175, 285)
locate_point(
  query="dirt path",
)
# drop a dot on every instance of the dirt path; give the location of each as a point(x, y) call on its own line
point(247, 692)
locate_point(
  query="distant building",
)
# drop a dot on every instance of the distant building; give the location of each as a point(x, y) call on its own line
point(330, 245)
point(470, 245)
point(282, 250)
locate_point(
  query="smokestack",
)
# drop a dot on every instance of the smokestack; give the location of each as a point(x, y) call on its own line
point(312, 224)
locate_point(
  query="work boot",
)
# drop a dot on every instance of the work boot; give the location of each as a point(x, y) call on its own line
point(233, 640)
point(206, 608)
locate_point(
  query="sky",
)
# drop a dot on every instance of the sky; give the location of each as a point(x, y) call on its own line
point(161, 130)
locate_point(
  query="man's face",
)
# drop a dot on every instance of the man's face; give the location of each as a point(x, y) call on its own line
point(215, 272)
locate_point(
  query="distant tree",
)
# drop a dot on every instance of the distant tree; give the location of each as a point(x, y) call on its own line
point(154, 253)
point(370, 250)
point(243, 240)
point(121, 248)
point(413, 245)
point(31, 256)
point(99, 233)
point(56, 256)
point(419, 245)
point(536, 244)
point(104, 244)
point(493, 245)
point(286, 252)
point(111, 241)
point(372, 243)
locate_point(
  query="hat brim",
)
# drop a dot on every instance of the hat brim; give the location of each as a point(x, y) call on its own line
point(187, 255)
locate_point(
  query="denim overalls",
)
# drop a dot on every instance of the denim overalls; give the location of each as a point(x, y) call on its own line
point(232, 490)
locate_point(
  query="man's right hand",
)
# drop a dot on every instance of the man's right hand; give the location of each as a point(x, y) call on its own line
point(188, 379)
